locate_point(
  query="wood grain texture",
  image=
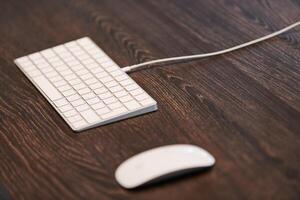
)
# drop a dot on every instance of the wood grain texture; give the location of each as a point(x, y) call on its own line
point(243, 107)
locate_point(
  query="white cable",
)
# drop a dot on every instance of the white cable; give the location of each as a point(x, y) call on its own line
point(130, 68)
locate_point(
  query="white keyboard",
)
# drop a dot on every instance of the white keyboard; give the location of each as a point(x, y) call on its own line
point(84, 85)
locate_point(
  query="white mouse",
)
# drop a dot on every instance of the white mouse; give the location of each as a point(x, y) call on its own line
point(162, 162)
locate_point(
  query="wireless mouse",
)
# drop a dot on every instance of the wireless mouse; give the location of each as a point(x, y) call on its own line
point(162, 163)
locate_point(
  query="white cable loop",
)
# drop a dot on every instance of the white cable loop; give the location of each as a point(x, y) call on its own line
point(134, 67)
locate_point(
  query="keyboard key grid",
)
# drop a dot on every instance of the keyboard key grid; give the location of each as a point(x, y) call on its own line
point(84, 84)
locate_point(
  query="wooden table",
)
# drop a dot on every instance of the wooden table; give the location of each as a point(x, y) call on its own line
point(243, 107)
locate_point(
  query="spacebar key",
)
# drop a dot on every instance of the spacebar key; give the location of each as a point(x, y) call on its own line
point(47, 88)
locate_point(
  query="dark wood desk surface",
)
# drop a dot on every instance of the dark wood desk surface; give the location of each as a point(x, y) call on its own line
point(243, 107)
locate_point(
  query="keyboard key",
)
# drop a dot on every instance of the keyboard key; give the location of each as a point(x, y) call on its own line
point(56, 79)
point(100, 57)
point(101, 90)
point(61, 68)
point(30, 68)
point(82, 55)
point(101, 75)
point(35, 73)
point(114, 113)
point(48, 53)
point(87, 61)
point(141, 97)
point(23, 59)
point(117, 73)
point(64, 87)
point(47, 70)
point(116, 89)
point(111, 84)
point(97, 70)
point(61, 102)
point(79, 86)
point(75, 81)
point(77, 67)
point(102, 111)
point(110, 100)
point(132, 105)
point(52, 74)
point(70, 77)
point(92, 49)
point(136, 92)
point(93, 101)
point(121, 77)
point(90, 116)
point(73, 97)
point(98, 105)
point(26, 64)
point(84, 91)
point(75, 118)
point(35, 56)
point(54, 59)
point(131, 87)
point(146, 102)
point(112, 68)
point(82, 107)
point(70, 113)
point(68, 92)
point(121, 93)
point(91, 81)
point(87, 76)
point(96, 85)
point(126, 98)
point(88, 96)
point(65, 108)
point(73, 62)
point(57, 63)
point(70, 59)
point(79, 124)
point(82, 72)
point(105, 95)
point(66, 72)
point(47, 88)
point(115, 105)
point(94, 67)
point(41, 63)
point(106, 79)
point(107, 64)
point(126, 82)
point(77, 102)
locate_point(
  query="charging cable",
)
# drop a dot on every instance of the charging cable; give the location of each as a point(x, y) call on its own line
point(205, 55)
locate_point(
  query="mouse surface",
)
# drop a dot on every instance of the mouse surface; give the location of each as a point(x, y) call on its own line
point(160, 163)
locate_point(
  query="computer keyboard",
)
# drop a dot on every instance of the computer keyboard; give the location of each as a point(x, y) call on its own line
point(85, 86)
